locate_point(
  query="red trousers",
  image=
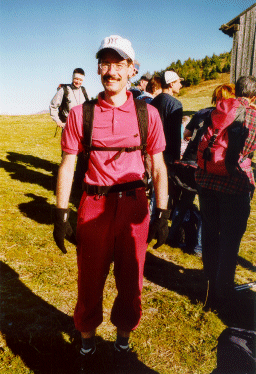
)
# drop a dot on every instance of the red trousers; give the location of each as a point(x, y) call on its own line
point(112, 227)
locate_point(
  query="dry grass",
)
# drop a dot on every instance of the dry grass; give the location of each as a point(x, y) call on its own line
point(38, 283)
point(197, 97)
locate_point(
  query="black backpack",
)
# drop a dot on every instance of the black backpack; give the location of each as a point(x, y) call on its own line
point(88, 116)
point(185, 228)
point(236, 352)
point(64, 104)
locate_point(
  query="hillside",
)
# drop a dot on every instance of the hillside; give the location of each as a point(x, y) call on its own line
point(197, 97)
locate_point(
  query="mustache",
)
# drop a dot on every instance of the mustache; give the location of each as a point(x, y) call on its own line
point(108, 76)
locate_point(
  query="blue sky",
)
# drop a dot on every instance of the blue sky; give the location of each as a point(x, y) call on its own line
point(42, 42)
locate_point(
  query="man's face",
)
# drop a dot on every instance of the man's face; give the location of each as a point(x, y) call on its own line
point(143, 84)
point(77, 82)
point(176, 86)
point(114, 72)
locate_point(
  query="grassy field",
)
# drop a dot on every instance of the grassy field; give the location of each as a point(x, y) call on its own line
point(38, 282)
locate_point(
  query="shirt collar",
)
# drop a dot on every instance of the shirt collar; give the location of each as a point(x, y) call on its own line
point(126, 107)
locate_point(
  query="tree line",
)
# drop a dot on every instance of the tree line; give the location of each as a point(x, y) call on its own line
point(194, 71)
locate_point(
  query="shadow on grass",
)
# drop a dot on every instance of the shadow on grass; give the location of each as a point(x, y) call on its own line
point(33, 161)
point(19, 169)
point(246, 264)
point(22, 173)
point(187, 282)
point(39, 210)
point(44, 337)
point(33, 329)
point(191, 283)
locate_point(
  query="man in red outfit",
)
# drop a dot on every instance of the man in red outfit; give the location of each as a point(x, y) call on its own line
point(113, 225)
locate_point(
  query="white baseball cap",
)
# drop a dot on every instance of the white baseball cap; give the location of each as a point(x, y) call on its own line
point(122, 46)
point(171, 76)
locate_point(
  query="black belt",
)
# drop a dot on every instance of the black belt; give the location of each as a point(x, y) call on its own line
point(104, 190)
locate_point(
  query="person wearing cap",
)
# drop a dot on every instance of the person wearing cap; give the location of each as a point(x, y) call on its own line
point(171, 112)
point(75, 96)
point(112, 225)
point(144, 81)
point(141, 87)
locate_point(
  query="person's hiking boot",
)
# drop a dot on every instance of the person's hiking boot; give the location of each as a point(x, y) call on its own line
point(86, 363)
point(123, 360)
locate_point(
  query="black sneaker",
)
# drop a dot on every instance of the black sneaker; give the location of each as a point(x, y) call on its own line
point(86, 362)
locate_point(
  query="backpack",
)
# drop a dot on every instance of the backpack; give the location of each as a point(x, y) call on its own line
point(190, 153)
point(64, 104)
point(221, 144)
point(185, 229)
point(88, 116)
point(236, 352)
point(182, 174)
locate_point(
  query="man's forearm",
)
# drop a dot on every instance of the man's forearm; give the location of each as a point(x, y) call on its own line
point(160, 181)
point(64, 181)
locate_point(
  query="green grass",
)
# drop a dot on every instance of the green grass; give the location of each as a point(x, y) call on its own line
point(38, 282)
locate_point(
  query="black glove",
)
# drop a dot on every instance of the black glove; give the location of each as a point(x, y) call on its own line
point(158, 229)
point(62, 229)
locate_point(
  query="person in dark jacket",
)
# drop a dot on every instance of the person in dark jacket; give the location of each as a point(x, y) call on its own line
point(171, 112)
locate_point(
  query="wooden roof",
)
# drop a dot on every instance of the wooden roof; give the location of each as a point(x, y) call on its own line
point(230, 27)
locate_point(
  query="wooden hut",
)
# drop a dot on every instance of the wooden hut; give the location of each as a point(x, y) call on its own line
point(243, 30)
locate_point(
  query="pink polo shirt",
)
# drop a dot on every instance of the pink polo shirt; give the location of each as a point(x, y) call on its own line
point(113, 127)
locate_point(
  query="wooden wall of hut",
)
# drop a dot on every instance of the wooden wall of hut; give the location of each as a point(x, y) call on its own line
point(243, 61)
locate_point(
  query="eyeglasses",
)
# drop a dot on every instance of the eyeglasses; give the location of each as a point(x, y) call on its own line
point(105, 66)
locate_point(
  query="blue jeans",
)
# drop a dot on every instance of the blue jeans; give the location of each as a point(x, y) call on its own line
point(152, 206)
point(224, 221)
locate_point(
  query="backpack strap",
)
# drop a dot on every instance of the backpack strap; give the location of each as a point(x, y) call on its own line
point(142, 115)
point(85, 93)
point(65, 89)
point(88, 116)
point(63, 106)
point(202, 131)
point(207, 152)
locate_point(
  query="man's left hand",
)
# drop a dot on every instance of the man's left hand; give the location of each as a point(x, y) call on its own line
point(62, 229)
point(158, 229)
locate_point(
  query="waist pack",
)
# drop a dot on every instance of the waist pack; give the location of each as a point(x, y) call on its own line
point(236, 352)
point(220, 147)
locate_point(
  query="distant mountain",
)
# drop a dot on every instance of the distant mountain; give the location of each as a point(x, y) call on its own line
point(19, 114)
point(43, 111)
